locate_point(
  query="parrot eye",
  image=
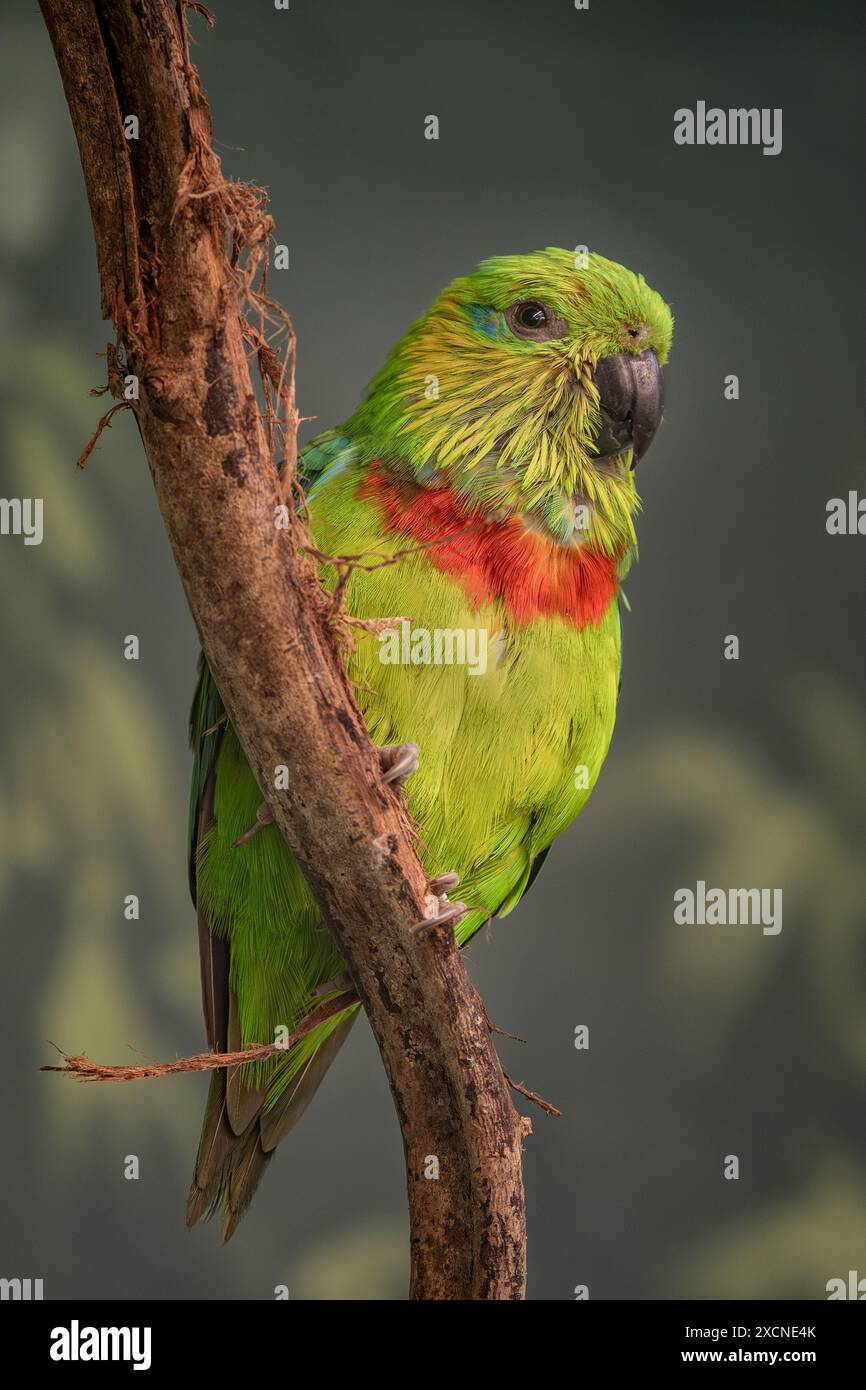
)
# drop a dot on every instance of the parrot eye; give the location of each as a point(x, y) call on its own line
point(531, 319)
point(531, 314)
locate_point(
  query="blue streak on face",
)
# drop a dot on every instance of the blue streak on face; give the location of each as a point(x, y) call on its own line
point(489, 321)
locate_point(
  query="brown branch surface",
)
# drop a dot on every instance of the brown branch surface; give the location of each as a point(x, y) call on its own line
point(182, 255)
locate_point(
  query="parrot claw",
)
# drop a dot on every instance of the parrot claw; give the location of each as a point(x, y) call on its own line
point(442, 912)
point(398, 762)
point(264, 816)
point(443, 884)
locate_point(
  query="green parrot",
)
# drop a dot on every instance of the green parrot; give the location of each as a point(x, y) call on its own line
point(494, 456)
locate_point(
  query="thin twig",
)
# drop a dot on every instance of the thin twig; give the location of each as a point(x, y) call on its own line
point(80, 1067)
point(104, 423)
point(375, 625)
point(494, 1027)
point(544, 1105)
point(370, 560)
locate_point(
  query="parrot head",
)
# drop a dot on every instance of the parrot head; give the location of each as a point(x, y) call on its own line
point(530, 389)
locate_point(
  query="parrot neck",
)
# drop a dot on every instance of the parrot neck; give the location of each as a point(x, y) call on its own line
point(497, 560)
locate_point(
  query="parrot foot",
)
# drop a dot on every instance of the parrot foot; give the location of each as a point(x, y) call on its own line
point(443, 884)
point(441, 912)
point(398, 762)
point(264, 816)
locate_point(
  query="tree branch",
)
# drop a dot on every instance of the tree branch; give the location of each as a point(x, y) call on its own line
point(181, 254)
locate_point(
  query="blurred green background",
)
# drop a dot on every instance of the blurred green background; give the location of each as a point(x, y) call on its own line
point(556, 128)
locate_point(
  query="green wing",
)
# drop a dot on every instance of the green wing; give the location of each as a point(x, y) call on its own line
point(207, 719)
point(245, 972)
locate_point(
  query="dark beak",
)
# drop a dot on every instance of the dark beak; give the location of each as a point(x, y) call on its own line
point(631, 396)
